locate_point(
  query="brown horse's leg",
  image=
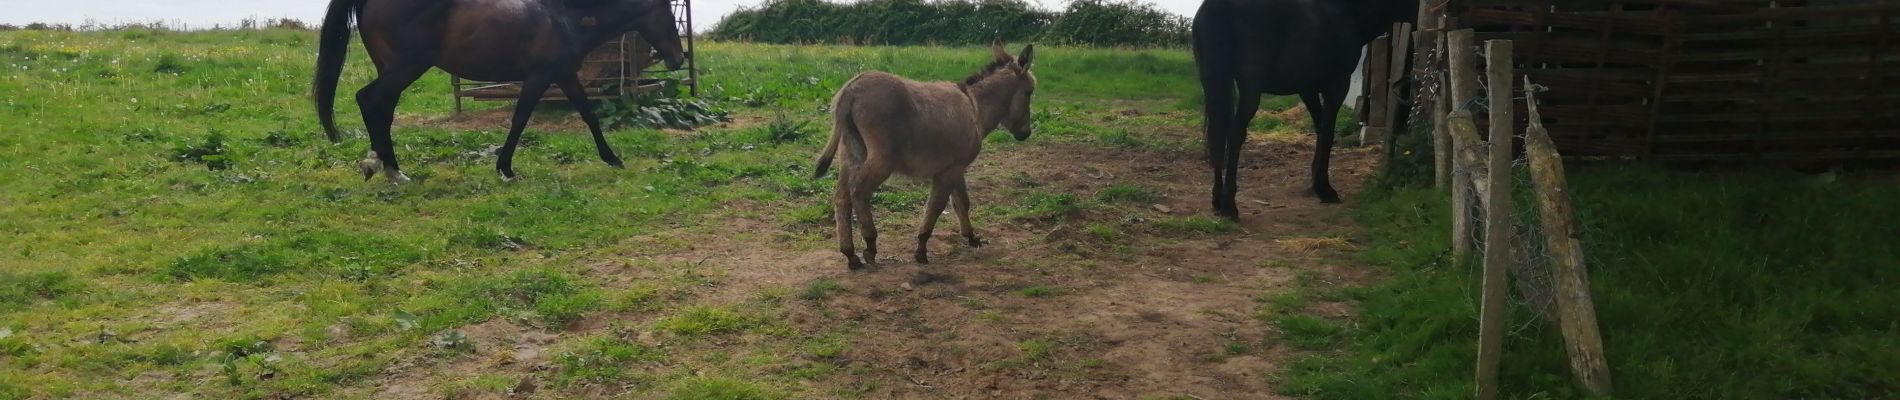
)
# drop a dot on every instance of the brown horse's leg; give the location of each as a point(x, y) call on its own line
point(866, 180)
point(962, 197)
point(577, 96)
point(378, 101)
point(940, 189)
point(531, 92)
point(841, 213)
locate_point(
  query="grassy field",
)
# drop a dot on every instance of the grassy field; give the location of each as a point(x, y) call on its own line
point(177, 226)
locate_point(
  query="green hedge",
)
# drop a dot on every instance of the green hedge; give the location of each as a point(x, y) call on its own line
point(954, 22)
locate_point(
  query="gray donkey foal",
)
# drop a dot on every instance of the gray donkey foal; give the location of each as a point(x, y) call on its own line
point(884, 124)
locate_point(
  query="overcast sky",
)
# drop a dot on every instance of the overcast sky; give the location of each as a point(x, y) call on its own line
point(206, 13)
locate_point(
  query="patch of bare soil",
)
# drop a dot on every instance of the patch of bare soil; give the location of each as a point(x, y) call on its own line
point(1044, 309)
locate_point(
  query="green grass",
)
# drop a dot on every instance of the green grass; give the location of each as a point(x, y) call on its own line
point(1197, 224)
point(703, 320)
point(1746, 285)
point(819, 288)
point(603, 361)
point(716, 388)
point(1038, 291)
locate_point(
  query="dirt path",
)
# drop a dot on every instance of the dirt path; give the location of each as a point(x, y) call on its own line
point(1048, 309)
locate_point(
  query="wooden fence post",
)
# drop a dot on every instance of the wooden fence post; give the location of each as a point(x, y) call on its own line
point(1464, 85)
point(1498, 216)
point(1378, 64)
point(1395, 73)
point(1431, 41)
point(1576, 313)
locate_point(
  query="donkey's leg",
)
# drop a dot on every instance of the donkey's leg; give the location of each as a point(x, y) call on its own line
point(940, 189)
point(865, 181)
point(841, 213)
point(1324, 108)
point(531, 92)
point(378, 103)
point(1243, 116)
point(577, 96)
point(962, 197)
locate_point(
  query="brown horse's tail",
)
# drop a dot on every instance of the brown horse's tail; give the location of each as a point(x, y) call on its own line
point(333, 45)
point(841, 125)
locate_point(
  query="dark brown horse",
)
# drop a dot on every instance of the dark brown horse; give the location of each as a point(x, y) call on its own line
point(1282, 47)
point(537, 42)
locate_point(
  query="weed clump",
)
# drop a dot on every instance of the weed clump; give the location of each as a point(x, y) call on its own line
point(211, 152)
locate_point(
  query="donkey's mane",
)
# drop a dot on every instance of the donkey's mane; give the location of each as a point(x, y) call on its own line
point(994, 66)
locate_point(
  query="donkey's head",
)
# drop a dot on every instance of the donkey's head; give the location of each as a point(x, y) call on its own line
point(652, 19)
point(1003, 89)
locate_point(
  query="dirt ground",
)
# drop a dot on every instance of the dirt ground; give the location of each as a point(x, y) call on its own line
point(1154, 312)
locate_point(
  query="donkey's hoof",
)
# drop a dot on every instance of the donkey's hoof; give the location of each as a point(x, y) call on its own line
point(369, 166)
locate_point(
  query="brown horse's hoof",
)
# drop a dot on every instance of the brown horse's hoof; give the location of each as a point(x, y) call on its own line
point(974, 242)
point(922, 258)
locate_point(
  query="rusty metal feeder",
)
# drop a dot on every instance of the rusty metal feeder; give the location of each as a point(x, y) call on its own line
point(614, 69)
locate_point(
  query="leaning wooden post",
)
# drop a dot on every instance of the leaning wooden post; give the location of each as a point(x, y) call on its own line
point(1576, 313)
point(1464, 86)
point(1395, 73)
point(1378, 64)
point(1431, 56)
point(1498, 224)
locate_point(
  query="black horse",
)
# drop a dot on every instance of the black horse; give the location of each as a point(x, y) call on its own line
point(1281, 47)
point(537, 42)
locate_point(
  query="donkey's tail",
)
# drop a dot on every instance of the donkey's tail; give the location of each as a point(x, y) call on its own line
point(332, 46)
point(841, 125)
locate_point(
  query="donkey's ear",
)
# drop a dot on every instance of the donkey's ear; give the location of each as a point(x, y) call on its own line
point(996, 48)
point(1028, 56)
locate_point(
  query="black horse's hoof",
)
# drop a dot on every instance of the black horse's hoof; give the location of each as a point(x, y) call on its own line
point(1326, 195)
point(922, 258)
point(1230, 214)
point(611, 160)
point(507, 175)
point(974, 242)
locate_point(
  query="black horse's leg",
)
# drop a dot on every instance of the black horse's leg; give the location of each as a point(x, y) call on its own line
point(1218, 115)
point(378, 102)
point(577, 96)
point(531, 92)
point(1243, 117)
point(1324, 108)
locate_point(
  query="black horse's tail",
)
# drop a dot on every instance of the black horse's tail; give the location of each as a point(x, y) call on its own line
point(1214, 59)
point(333, 45)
